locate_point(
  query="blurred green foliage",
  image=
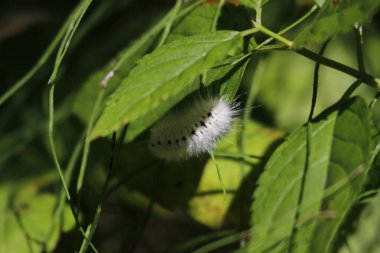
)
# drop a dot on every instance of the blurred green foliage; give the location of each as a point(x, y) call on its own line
point(291, 185)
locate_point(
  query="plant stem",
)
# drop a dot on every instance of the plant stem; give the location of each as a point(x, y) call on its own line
point(249, 32)
point(286, 29)
point(86, 149)
point(62, 197)
point(306, 168)
point(219, 177)
point(316, 81)
point(75, 19)
point(51, 142)
point(45, 56)
point(169, 23)
point(359, 47)
point(92, 227)
point(361, 75)
point(258, 15)
point(56, 161)
point(274, 35)
point(217, 14)
point(364, 77)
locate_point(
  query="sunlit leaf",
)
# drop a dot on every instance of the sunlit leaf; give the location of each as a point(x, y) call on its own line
point(340, 150)
point(162, 78)
point(85, 99)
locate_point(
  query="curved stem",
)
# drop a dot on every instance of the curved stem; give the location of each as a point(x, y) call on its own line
point(57, 164)
point(45, 56)
point(86, 149)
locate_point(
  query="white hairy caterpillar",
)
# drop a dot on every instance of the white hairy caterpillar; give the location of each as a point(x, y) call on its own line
point(194, 130)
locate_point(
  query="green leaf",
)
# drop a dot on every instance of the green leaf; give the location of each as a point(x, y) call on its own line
point(254, 4)
point(365, 238)
point(122, 64)
point(231, 81)
point(85, 99)
point(340, 149)
point(26, 218)
point(335, 17)
point(162, 79)
point(199, 21)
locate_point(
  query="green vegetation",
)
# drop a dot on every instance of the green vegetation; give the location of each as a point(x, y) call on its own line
point(82, 83)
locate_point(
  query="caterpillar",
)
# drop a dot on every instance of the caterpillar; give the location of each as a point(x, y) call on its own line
point(194, 130)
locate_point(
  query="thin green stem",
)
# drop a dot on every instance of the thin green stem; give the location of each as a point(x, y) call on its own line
point(212, 29)
point(269, 48)
point(56, 161)
point(77, 16)
point(219, 177)
point(169, 23)
point(86, 149)
point(249, 31)
point(246, 158)
point(45, 56)
point(258, 15)
point(216, 16)
point(188, 245)
point(51, 142)
point(288, 28)
point(253, 91)
point(217, 244)
point(238, 155)
point(62, 197)
point(274, 35)
point(75, 20)
point(92, 227)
